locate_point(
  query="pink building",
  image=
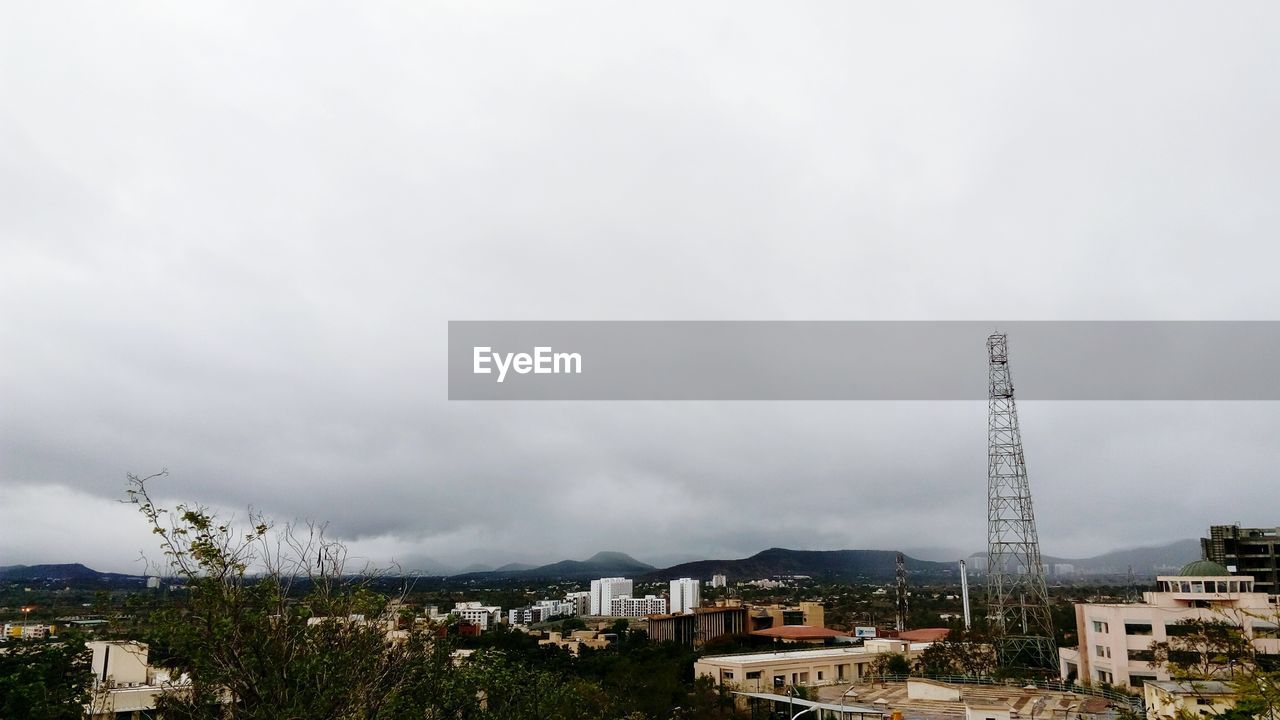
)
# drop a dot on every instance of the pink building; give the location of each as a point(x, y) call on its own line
point(1115, 639)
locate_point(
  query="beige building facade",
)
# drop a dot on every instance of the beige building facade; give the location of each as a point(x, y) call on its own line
point(767, 672)
point(1116, 638)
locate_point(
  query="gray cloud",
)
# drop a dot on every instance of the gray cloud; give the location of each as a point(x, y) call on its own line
point(231, 242)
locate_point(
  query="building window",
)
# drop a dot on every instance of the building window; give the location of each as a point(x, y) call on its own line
point(1100, 626)
point(1137, 680)
point(754, 675)
point(819, 674)
point(1265, 630)
point(1104, 651)
point(1137, 628)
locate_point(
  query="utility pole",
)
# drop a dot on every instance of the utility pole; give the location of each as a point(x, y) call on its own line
point(964, 593)
point(1018, 601)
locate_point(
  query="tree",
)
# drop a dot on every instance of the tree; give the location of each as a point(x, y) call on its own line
point(961, 652)
point(1217, 649)
point(44, 680)
point(277, 626)
point(891, 664)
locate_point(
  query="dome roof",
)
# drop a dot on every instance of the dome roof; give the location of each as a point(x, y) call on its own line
point(1203, 568)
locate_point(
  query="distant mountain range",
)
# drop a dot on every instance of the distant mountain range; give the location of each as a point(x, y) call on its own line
point(602, 564)
point(1153, 560)
point(69, 572)
point(826, 564)
point(840, 565)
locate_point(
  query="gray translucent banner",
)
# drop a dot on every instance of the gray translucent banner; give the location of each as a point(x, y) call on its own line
point(779, 360)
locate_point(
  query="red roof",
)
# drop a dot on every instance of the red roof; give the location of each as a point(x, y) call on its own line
point(800, 632)
point(923, 634)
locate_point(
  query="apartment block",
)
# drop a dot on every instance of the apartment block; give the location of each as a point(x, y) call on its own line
point(625, 606)
point(686, 595)
point(604, 590)
point(482, 616)
point(1116, 638)
point(1246, 551)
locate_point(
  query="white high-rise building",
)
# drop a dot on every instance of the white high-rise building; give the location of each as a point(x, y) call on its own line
point(719, 581)
point(686, 594)
point(604, 590)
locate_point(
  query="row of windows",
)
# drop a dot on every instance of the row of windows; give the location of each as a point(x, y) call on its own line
point(1206, 586)
point(1260, 630)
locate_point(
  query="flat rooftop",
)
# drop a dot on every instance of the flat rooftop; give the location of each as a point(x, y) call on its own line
point(815, 654)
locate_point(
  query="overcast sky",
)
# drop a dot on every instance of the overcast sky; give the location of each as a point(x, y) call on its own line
point(231, 238)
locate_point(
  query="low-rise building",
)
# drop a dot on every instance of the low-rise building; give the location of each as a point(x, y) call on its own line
point(1169, 700)
point(124, 684)
point(579, 639)
point(483, 616)
point(626, 606)
point(29, 631)
point(761, 672)
point(772, 616)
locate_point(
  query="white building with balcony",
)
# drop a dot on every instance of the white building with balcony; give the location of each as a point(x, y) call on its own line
point(1116, 638)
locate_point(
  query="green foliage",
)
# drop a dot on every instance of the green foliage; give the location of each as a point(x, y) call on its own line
point(274, 627)
point(961, 652)
point(44, 680)
point(1200, 649)
point(891, 664)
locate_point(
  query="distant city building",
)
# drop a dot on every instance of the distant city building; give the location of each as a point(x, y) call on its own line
point(696, 628)
point(1246, 551)
point(604, 590)
point(1061, 569)
point(1115, 638)
point(812, 614)
point(686, 595)
point(626, 606)
point(536, 613)
point(482, 616)
point(153, 582)
point(29, 631)
point(578, 640)
point(719, 581)
point(581, 602)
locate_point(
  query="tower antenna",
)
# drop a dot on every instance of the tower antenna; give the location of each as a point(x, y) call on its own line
point(901, 571)
point(1018, 601)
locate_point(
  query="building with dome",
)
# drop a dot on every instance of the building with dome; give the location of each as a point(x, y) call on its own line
point(1115, 638)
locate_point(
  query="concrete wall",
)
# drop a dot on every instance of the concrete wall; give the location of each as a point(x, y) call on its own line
point(921, 689)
